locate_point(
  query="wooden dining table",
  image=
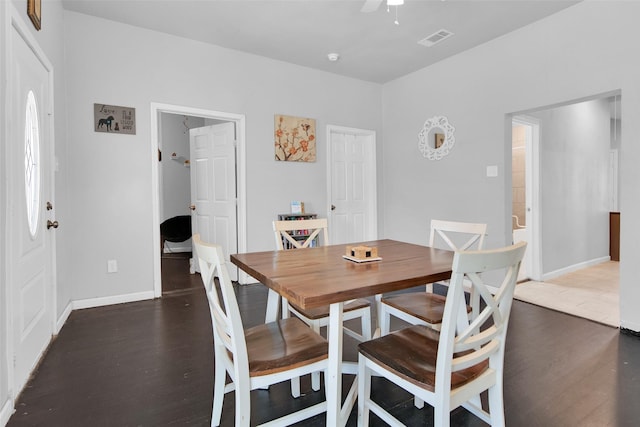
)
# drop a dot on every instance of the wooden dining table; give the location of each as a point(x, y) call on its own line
point(313, 277)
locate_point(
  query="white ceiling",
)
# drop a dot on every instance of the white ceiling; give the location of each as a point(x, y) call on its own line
point(303, 32)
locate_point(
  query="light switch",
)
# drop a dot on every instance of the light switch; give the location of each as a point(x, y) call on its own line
point(492, 171)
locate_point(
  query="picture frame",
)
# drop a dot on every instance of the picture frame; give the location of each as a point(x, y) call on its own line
point(34, 11)
point(114, 119)
point(294, 138)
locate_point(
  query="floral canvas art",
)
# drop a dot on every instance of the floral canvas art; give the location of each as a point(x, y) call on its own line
point(295, 139)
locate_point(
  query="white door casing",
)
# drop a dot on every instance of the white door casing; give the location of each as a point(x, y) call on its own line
point(30, 245)
point(351, 185)
point(532, 258)
point(213, 187)
point(239, 120)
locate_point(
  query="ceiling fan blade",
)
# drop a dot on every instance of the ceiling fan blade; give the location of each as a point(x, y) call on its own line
point(370, 6)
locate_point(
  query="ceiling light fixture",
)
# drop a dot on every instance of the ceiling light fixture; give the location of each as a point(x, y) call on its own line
point(395, 3)
point(333, 57)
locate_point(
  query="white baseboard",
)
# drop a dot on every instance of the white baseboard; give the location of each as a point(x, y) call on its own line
point(63, 317)
point(632, 326)
point(6, 412)
point(116, 299)
point(570, 269)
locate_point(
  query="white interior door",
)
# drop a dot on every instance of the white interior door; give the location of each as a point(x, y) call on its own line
point(352, 185)
point(213, 187)
point(30, 244)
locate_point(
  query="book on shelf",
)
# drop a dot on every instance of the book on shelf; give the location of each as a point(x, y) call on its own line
point(297, 207)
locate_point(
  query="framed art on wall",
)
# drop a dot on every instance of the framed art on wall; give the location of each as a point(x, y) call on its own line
point(114, 119)
point(34, 10)
point(294, 139)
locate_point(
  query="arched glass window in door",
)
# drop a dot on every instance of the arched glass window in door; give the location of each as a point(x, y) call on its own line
point(32, 163)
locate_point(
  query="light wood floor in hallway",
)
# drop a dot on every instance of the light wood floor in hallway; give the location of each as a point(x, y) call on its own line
point(591, 293)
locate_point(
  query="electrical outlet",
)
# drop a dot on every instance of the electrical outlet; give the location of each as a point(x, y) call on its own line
point(112, 266)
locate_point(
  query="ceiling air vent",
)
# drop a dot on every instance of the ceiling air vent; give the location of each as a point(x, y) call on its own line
point(436, 37)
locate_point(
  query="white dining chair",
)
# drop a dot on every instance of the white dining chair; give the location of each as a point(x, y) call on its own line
point(316, 230)
point(427, 308)
point(450, 368)
point(307, 233)
point(256, 357)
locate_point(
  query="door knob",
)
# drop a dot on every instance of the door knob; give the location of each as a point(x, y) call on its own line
point(192, 207)
point(49, 206)
point(333, 207)
point(51, 224)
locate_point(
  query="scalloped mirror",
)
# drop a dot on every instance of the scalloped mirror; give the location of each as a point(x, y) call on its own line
point(436, 138)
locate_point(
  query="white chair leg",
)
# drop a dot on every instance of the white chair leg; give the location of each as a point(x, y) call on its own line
point(285, 308)
point(295, 382)
point(364, 392)
point(441, 416)
point(220, 375)
point(496, 405)
point(243, 406)
point(295, 387)
point(385, 319)
point(366, 326)
point(315, 376)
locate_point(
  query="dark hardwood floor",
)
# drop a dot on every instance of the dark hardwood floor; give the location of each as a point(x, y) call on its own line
point(150, 364)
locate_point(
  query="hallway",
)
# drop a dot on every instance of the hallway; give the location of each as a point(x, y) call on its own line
point(591, 293)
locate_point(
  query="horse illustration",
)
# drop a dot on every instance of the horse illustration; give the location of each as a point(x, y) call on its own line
point(107, 122)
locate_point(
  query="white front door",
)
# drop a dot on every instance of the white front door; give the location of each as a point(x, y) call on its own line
point(30, 244)
point(352, 185)
point(213, 187)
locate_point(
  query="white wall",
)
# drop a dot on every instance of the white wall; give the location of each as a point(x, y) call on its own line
point(175, 177)
point(176, 185)
point(586, 49)
point(574, 184)
point(110, 184)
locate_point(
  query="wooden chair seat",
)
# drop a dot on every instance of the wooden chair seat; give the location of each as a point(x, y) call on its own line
point(283, 345)
point(412, 352)
point(425, 306)
point(323, 311)
point(418, 309)
point(465, 359)
point(257, 357)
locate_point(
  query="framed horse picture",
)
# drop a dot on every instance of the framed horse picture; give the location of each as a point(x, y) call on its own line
point(114, 119)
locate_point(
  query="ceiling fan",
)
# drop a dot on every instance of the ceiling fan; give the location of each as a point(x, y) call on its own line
point(373, 5)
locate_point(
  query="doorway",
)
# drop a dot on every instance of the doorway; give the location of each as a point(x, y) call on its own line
point(571, 187)
point(189, 116)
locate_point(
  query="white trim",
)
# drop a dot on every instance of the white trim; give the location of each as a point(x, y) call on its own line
point(532, 208)
point(62, 319)
point(632, 326)
point(373, 208)
point(6, 412)
point(239, 119)
point(110, 300)
point(575, 267)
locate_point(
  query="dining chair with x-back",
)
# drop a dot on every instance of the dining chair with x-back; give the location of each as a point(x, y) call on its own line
point(450, 368)
point(298, 234)
point(427, 308)
point(256, 357)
